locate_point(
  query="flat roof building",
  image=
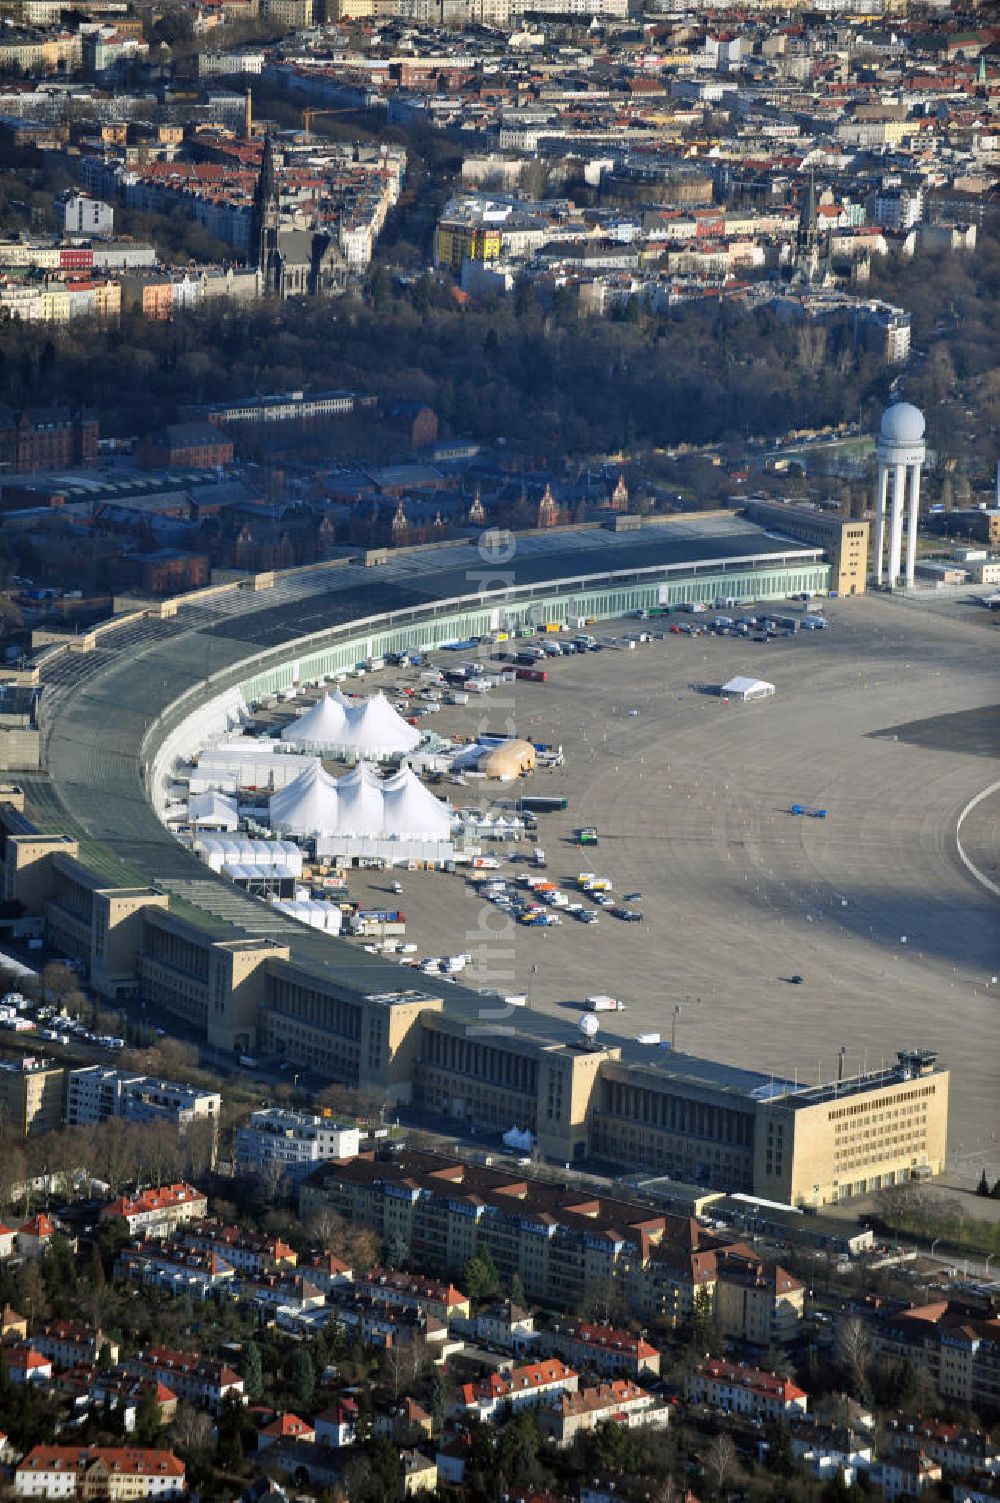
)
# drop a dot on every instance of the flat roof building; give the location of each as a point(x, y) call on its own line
point(843, 539)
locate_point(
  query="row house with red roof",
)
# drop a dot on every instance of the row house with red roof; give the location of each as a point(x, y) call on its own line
point(70, 1342)
point(739, 1389)
point(959, 1450)
point(200, 1381)
point(600, 1349)
point(157, 1212)
point(247, 1252)
point(522, 1387)
point(111, 1472)
point(410, 1292)
point(619, 1401)
point(161, 1263)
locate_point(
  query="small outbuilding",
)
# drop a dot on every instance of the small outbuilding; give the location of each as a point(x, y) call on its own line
point(508, 760)
point(744, 689)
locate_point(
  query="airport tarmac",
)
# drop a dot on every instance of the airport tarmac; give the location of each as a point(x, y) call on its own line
point(896, 942)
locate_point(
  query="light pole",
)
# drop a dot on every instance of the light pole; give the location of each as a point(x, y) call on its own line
point(934, 1244)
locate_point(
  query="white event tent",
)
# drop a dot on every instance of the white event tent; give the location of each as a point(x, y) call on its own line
point(361, 815)
point(367, 729)
point(744, 689)
point(213, 811)
point(306, 806)
point(322, 726)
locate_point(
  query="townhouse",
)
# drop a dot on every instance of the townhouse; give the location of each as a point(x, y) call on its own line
point(284, 1427)
point(67, 1343)
point(157, 1212)
point(960, 1451)
point(163, 1264)
point(111, 1472)
point(600, 1349)
point(906, 1474)
point(374, 1322)
point(830, 1451)
point(738, 1389)
point(337, 1424)
point(442, 1301)
point(247, 1252)
point(569, 1414)
point(522, 1387)
point(198, 1380)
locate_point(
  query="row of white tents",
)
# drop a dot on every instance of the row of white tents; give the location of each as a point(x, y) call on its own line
point(368, 729)
point(361, 804)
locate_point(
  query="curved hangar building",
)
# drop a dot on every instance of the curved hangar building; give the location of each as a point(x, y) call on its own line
point(90, 855)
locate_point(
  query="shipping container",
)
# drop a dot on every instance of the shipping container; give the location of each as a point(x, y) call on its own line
point(532, 675)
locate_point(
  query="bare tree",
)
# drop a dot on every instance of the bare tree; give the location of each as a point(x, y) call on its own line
point(328, 1228)
point(852, 1349)
point(57, 982)
point(271, 1181)
point(200, 1143)
point(720, 1461)
point(191, 1432)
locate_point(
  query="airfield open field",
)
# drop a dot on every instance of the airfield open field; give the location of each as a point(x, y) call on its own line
point(887, 719)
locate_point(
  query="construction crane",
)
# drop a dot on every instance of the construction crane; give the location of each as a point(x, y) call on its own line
point(310, 115)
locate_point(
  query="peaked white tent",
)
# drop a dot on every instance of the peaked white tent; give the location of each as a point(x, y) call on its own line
point(375, 730)
point(309, 805)
point(322, 727)
point(360, 803)
point(366, 729)
point(411, 810)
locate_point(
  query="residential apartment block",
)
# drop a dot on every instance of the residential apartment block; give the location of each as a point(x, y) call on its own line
point(32, 1093)
point(94, 1093)
point(563, 1245)
point(294, 1142)
point(955, 1344)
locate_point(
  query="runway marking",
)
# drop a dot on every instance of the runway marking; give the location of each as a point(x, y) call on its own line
point(966, 861)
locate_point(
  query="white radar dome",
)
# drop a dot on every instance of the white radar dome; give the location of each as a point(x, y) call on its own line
point(589, 1025)
point(902, 423)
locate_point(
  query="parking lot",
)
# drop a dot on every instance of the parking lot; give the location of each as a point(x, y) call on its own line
point(895, 942)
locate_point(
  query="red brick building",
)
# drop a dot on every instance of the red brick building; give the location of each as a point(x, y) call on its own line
point(170, 572)
point(194, 446)
point(51, 438)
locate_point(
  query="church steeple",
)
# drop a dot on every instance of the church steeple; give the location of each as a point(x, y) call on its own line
point(265, 220)
point(805, 237)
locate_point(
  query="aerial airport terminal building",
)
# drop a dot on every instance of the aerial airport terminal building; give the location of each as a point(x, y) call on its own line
point(91, 860)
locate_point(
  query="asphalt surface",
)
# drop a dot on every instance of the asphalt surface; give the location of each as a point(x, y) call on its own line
point(896, 943)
